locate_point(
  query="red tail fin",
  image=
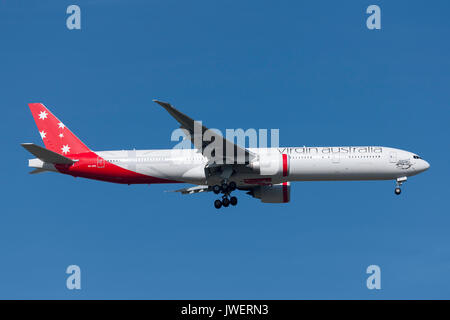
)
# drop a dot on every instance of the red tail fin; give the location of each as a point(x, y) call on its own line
point(55, 135)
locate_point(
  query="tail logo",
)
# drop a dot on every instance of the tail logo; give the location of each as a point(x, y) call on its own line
point(65, 149)
point(43, 115)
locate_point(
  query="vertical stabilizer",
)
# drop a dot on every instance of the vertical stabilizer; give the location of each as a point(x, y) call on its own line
point(55, 135)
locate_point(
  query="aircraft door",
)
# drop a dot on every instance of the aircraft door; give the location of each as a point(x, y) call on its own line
point(100, 162)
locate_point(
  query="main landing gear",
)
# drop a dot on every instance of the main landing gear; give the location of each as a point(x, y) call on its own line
point(226, 189)
point(399, 183)
point(225, 202)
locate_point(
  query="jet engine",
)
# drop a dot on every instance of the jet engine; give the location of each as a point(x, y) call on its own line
point(272, 165)
point(277, 193)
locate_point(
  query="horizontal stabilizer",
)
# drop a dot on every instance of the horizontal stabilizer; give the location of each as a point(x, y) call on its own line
point(38, 170)
point(192, 190)
point(46, 155)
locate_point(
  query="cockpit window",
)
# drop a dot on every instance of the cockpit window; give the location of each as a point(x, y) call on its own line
point(416, 157)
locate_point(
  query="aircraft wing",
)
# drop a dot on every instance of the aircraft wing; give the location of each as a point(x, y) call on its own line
point(239, 154)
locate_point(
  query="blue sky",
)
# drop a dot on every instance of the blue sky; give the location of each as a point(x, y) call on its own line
point(310, 68)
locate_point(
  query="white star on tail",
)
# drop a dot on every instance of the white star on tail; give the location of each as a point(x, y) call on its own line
point(61, 125)
point(43, 134)
point(65, 149)
point(43, 115)
point(61, 135)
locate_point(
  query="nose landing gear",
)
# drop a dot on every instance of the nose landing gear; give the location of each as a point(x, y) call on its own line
point(399, 183)
point(226, 189)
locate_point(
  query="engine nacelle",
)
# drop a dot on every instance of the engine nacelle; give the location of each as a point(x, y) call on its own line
point(277, 193)
point(272, 165)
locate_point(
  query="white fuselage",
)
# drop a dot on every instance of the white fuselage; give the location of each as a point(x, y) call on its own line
point(304, 164)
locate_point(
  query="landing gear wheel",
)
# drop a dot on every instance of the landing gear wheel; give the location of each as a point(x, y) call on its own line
point(216, 189)
point(233, 201)
point(218, 204)
point(232, 186)
point(225, 202)
point(398, 191)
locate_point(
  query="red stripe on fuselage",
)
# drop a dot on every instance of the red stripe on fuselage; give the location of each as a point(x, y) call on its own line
point(285, 165)
point(86, 167)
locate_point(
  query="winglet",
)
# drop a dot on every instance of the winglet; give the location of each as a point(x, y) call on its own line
point(167, 106)
point(160, 102)
point(183, 119)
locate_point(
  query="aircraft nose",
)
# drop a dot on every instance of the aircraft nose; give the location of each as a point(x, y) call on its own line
point(424, 165)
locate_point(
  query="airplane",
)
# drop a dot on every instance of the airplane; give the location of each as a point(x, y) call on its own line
point(264, 173)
